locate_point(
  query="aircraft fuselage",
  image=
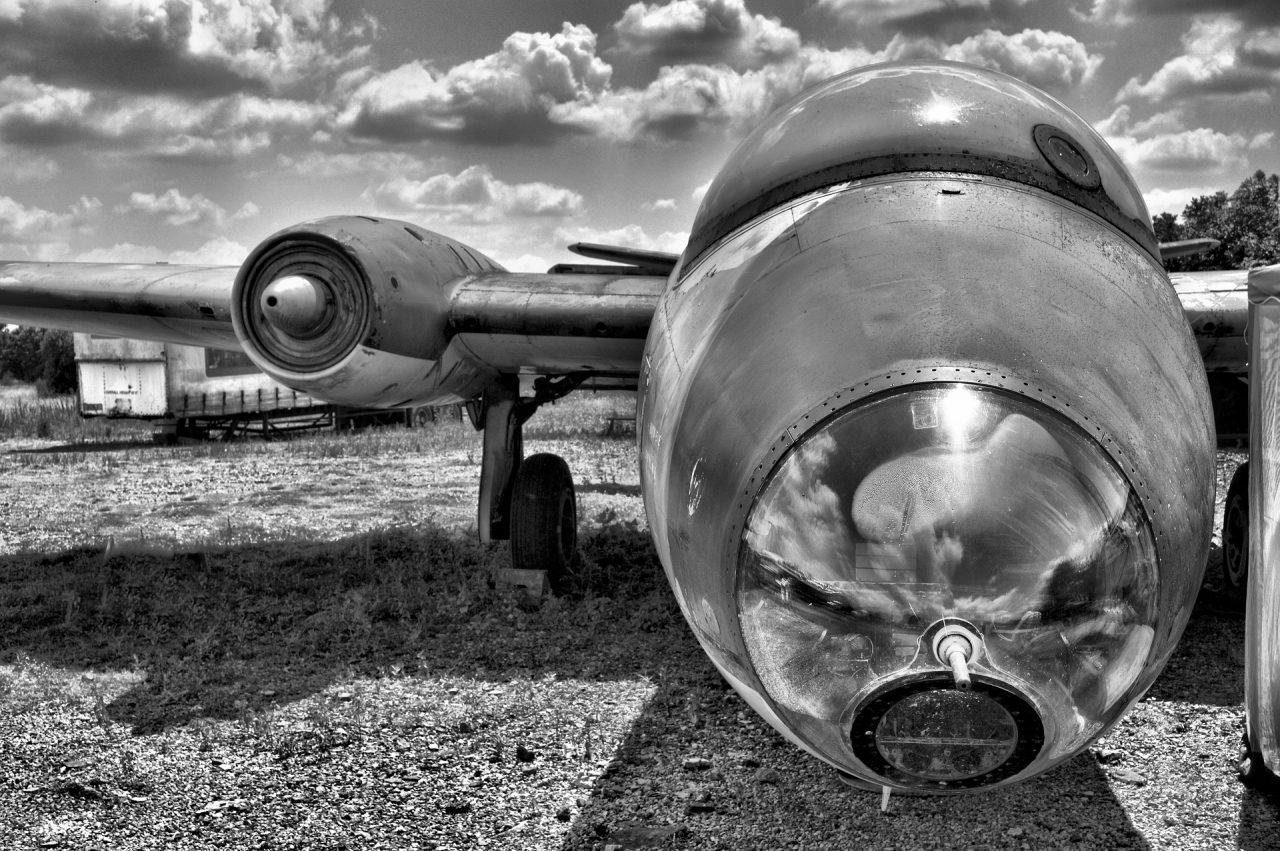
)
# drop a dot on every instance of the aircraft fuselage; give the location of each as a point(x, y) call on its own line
point(940, 405)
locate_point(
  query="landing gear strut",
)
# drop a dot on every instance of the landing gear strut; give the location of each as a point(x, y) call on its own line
point(529, 501)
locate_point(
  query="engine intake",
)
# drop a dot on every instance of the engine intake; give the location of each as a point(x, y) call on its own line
point(272, 295)
point(355, 310)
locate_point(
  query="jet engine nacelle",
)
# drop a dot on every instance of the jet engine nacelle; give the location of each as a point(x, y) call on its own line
point(926, 442)
point(340, 305)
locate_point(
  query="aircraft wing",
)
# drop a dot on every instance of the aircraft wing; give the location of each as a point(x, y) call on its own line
point(173, 304)
point(648, 262)
point(1216, 305)
point(556, 323)
point(520, 322)
point(505, 322)
point(1186, 247)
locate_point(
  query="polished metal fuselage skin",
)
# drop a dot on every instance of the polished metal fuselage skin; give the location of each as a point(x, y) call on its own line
point(845, 291)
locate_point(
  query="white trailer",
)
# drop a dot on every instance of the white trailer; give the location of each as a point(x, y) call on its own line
point(198, 392)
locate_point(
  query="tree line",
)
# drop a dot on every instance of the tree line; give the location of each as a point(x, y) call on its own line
point(38, 356)
point(1246, 222)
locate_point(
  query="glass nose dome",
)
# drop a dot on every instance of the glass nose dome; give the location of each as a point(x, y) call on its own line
point(938, 510)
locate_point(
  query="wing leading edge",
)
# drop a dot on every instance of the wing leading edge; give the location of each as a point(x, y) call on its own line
point(640, 260)
point(1187, 247)
point(507, 322)
point(190, 305)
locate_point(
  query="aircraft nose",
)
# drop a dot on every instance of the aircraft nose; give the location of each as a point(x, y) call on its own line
point(948, 586)
point(296, 305)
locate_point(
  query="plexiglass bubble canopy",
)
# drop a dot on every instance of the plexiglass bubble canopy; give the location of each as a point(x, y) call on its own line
point(941, 520)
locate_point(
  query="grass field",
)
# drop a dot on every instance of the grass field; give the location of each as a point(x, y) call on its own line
point(296, 604)
point(24, 415)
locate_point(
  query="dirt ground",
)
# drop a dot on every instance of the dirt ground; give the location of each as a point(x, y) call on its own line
point(299, 647)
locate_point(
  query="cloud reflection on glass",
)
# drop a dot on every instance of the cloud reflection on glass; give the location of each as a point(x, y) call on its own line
point(950, 502)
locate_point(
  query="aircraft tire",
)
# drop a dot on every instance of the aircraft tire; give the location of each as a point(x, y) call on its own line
point(1252, 770)
point(544, 518)
point(1245, 766)
point(1235, 532)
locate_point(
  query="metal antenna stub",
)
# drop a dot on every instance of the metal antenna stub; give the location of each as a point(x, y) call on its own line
point(955, 646)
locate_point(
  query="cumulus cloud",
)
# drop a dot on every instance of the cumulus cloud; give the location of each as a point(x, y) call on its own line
point(25, 229)
point(475, 195)
point(1174, 200)
point(705, 31)
point(1222, 56)
point(22, 166)
point(502, 98)
point(218, 251)
point(677, 105)
point(38, 114)
point(1050, 60)
point(1163, 144)
point(663, 205)
point(345, 163)
point(35, 113)
point(1198, 150)
point(197, 48)
point(535, 263)
point(179, 210)
point(541, 87)
point(919, 17)
point(1125, 12)
point(685, 100)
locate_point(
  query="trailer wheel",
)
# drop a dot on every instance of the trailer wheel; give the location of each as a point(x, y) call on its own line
point(544, 518)
point(1235, 531)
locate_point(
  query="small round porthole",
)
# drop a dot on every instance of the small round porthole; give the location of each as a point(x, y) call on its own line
point(1067, 156)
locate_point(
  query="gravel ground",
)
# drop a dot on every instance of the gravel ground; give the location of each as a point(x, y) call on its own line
point(309, 720)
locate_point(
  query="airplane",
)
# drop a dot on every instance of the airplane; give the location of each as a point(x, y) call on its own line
point(925, 438)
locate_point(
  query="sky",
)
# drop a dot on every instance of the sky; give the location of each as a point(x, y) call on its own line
point(144, 130)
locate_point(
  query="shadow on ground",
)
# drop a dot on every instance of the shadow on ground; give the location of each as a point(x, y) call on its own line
point(760, 792)
point(1259, 821)
point(271, 623)
point(262, 625)
point(89, 447)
